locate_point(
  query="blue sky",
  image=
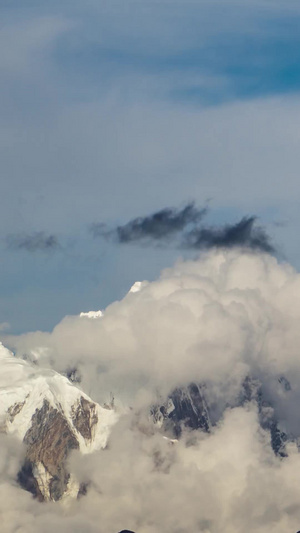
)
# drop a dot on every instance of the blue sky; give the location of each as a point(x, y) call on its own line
point(110, 110)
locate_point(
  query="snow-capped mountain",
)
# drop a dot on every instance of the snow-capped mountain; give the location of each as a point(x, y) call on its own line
point(52, 417)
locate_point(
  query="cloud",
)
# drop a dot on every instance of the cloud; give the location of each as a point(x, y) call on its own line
point(215, 320)
point(226, 482)
point(38, 241)
point(244, 233)
point(163, 225)
point(183, 228)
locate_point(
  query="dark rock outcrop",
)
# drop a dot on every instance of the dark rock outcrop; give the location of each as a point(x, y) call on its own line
point(85, 418)
point(14, 410)
point(27, 480)
point(185, 408)
point(252, 390)
point(49, 442)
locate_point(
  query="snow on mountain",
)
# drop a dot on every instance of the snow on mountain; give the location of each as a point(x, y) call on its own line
point(138, 286)
point(92, 314)
point(52, 417)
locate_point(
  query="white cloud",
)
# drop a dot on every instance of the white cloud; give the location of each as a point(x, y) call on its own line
point(215, 321)
point(227, 482)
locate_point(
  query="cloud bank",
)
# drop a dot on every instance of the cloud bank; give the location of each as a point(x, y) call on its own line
point(218, 320)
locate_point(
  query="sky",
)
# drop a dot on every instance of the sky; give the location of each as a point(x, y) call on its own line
point(136, 137)
point(114, 110)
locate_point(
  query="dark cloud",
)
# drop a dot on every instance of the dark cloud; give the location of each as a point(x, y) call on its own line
point(245, 233)
point(163, 225)
point(38, 241)
point(184, 229)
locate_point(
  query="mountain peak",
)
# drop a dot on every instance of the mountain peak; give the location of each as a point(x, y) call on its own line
point(51, 416)
point(91, 314)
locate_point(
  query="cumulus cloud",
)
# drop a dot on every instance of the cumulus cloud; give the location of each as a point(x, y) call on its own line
point(217, 320)
point(38, 241)
point(228, 481)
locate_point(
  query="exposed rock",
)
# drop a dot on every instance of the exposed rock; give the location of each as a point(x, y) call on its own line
point(252, 391)
point(83, 489)
point(73, 375)
point(28, 481)
point(14, 410)
point(49, 442)
point(190, 408)
point(185, 407)
point(85, 418)
point(52, 417)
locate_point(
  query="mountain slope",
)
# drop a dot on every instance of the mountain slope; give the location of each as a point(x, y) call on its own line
point(52, 417)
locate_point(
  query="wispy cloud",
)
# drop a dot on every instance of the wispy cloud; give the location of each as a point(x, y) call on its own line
point(39, 241)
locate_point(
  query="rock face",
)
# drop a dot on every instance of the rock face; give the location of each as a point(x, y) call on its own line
point(185, 407)
point(49, 441)
point(85, 418)
point(52, 417)
point(252, 391)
